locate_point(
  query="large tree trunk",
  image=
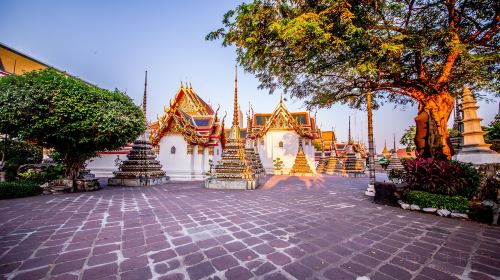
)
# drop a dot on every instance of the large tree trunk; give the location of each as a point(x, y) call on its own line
point(73, 167)
point(431, 137)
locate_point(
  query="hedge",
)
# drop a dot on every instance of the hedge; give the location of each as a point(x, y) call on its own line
point(18, 189)
point(427, 200)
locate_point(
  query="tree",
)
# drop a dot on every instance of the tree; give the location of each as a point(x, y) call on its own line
point(403, 51)
point(67, 114)
point(408, 138)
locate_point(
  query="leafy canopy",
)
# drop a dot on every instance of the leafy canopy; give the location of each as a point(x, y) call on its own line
point(336, 50)
point(67, 114)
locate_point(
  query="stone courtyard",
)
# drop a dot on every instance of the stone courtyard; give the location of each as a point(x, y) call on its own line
point(319, 227)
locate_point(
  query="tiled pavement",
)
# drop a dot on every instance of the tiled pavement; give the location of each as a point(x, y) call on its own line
point(304, 228)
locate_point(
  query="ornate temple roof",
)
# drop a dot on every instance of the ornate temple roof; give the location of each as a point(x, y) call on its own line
point(190, 116)
point(281, 118)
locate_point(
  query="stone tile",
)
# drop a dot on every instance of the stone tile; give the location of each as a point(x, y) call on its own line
point(338, 274)
point(102, 271)
point(66, 267)
point(246, 255)
point(32, 274)
point(133, 263)
point(278, 258)
point(199, 271)
point(215, 252)
point(355, 268)
point(224, 262)
point(102, 259)
point(298, 271)
point(163, 255)
point(137, 274)
point(396, 272)
point(238, 273)
point(187, 249)
point(235, 246)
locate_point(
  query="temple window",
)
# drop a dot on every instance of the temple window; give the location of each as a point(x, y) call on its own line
point(189, 149)
point(280, 144)
point(262, 141)
point(200, 150)
point(307, 142)
point(172, 150)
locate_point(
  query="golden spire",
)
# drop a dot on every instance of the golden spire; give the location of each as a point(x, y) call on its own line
point(144, 98)
point(394, 142)
point(385, 152)
point(235, 113)
point(349, 139)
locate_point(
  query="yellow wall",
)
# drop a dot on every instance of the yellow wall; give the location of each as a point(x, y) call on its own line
point(14, 63)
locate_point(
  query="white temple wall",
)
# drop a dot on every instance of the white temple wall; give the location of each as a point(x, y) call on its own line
point(271, 150)
point(182, 166)
point(104, 165)
point(178, 165)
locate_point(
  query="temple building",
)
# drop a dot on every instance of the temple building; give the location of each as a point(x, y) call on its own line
point(277, 135)
point(188, 137)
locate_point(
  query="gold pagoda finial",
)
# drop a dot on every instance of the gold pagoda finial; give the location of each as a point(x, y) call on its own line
point(144, 98)
point(190, 86)
point(235, 113)
point(182, 85)
point(349, 139)
point(394, 142)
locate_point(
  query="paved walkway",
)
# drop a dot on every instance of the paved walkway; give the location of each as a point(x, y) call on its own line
point(304, 228)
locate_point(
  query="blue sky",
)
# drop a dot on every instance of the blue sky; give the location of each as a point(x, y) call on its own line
point(111, 43)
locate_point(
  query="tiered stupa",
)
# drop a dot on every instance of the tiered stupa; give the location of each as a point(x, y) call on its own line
point(333, 164)
point(233, 170)
point(395, 162)
point(321, 163)
point(456, 139)
point(301, 166)
point(474, 149)
point(352, 164)
point(141, 167)
point(386, 153)
point(251, 154)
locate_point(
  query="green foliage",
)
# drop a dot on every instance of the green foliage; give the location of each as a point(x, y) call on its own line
point(493, 132)
point(67, 114)
point(335, 51)
point(51, 173)
point(426, 200)
point(441, 177)
point(408, 137)
point(453, 132)
point(396, 175)
point(18, 189)
point(18, 153)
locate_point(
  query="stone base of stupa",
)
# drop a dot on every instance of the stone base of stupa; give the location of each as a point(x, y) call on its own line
point(137, 182)
point(477, 154)
point(305, 174)
point(233, 184)
point(353, 173)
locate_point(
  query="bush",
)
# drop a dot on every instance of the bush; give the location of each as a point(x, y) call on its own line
point(19, 189)
point(425, 199)
point(442, 177)
point(51, 173)
point(396, 175)
point(18, 153)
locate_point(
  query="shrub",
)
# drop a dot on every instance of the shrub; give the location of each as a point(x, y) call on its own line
point(425, 199)
point(441, 177)
point(52, 172)
point(396, 175)
point(18, 153)
point(19, 189)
